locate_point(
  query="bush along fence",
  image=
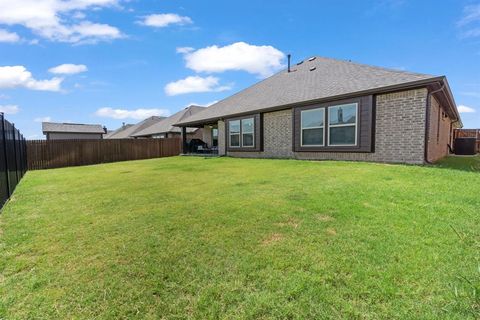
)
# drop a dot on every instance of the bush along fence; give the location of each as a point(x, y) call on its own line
point(47, 154)
point(13, 158)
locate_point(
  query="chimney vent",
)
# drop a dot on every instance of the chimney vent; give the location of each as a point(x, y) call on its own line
point(289, 56)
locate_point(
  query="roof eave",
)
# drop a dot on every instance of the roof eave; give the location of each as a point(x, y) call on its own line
point(44, 132)
point(454, 107)
point(386, 89)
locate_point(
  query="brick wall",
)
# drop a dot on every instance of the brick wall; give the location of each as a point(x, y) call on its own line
point(439, 132)
point(207, 135)
point(399, 137)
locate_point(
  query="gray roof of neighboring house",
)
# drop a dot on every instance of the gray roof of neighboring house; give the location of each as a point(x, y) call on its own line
point(72, 127)
point(166, 125)
point(129, 131)
point(313, 79)
point(111, 133)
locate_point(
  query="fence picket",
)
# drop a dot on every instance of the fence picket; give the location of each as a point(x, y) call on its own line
point(43, 154)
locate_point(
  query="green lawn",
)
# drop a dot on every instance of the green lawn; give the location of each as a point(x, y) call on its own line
point(222, 238)
point(467, 163)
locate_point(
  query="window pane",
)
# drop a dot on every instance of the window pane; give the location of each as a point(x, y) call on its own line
point(234, 126)
point(214, 133)
point(342, 135)
point(344, 114)
point(312, 137)
point(235, 140)
point(313, 118)
point(247, 125)
point(247, 139)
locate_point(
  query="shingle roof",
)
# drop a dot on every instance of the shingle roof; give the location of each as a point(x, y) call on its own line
point(123, 127)
point(315, 78)
point(129, 131)
point(72, 127)
point(166, 125)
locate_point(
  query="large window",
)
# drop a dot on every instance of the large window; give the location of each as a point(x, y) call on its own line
point(234, 133)
point(242, 133)
point(313, 128)
point(346, 125)
point(247, 132)
point(342, 125)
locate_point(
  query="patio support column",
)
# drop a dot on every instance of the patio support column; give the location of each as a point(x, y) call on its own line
point(184, 140)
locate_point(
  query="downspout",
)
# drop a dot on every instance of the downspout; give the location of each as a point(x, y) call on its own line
point(427, 121)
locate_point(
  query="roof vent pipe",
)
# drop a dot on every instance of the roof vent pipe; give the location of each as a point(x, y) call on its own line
point(289, 56)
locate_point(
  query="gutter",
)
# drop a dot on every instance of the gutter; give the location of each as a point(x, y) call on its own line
point(427, 120)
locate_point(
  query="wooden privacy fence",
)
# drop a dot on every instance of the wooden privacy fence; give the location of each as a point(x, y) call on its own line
point(468, 133)
point(42, 154)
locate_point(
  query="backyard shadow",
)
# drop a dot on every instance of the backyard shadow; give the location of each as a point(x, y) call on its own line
point(463, 163)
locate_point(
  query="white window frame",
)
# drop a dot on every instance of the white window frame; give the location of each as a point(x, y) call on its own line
point(230, 134)
point(318, 127)
point(252, 133)
point(343, 125)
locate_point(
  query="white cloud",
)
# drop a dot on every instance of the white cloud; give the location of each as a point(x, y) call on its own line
point(470, 21)
point(6, 36)
point(475, 94)
point(260, 60)
point(164, 20)
point(194, 84)
point(19, 76)
point(87, 32)
point(9, 109)
point(43, 119)
point(465, 109)
point(185, 49)
point(138, 114)
point(52, 19)
point(471, 14)
point(472, 33)
point(68, 68)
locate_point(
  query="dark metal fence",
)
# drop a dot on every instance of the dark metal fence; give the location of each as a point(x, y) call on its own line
point(13, 158)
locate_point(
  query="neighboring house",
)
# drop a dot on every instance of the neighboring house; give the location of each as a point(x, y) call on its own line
point(166, 128)
point(72, 131)
point(113, 132)
point(330, 109)
point(128, 131)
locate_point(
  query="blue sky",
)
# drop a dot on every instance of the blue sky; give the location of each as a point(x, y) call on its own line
point(119, 61)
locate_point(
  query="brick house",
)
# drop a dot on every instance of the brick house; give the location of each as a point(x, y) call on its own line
point(324, 108)
point(166, 129)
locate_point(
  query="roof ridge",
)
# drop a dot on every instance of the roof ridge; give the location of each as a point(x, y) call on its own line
point(375, 67)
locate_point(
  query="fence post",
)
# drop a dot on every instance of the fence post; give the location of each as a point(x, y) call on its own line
point(15, 151)
point(5, 151)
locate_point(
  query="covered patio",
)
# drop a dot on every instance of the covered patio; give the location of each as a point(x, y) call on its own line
point(207, 146)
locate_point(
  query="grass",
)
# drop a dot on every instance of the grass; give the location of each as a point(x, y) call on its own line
point(222, 238)
point(467, 163)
